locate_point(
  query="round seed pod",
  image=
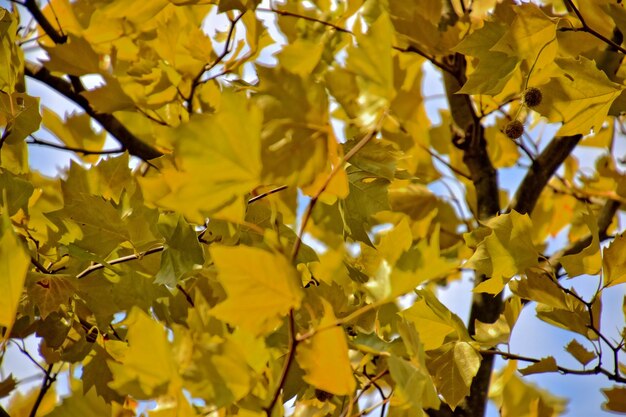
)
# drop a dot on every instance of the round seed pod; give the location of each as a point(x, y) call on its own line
point(532, 97)
point(514, 129)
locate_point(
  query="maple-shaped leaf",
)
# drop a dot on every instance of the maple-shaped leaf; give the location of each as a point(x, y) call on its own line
point(50, 292)
point(453, 367)
point(421, 263)
point(324, 357)
point(19, 113)
point(412, 384)
point(16, 191)
point(81, 404)
point(136, 372)
point(97, 375)
point(217, 161)
point(579, 95)
point(503, 249)
point(371, 61)
point(530, 37)
point(75, 131)
point(434, 322)
point(495, 68)
point(182, 249)
point(261, 286)
point(7, 385)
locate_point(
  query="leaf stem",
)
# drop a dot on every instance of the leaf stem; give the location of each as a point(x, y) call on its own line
point(333, 172)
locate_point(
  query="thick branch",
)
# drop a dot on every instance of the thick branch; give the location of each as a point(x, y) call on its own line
point(128, 140)
point(540, 172)
point(485, 307)
point(33, 8)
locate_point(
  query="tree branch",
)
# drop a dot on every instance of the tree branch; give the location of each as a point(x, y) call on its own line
point(485, 307)
point(36, 141)
point(540, 172)
point(291, 354)
point(109, 122)
point(33, 8)
point(208, 67)
point(586, 28)
point(133, 257)
point(47, 382)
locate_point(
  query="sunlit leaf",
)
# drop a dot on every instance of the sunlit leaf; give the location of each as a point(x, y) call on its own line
point(261, 286)
point(325, 359)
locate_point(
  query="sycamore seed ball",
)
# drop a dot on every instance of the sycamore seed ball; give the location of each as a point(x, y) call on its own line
point(514, 129)
point(532, 97)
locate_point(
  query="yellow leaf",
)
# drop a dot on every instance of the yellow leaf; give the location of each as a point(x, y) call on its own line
point(324, 358)
point(579, 95)
point(547, 364)
point(261, 286)
point(504, 248)
point(514, 396)
point(615, 399)
point(579, 352)
point(148, 346)
point(14, 263)
point(217, 159)
point(301, 56)
point(614, 262)
point(434, 322)
point(588, 260)
point(453, 367)
point(530, 36)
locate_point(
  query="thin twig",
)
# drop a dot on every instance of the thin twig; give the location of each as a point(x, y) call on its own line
point(33, 8)
point(47, 382)
point(291, 353)
point(265, 194)
point(208, 67)
point(586, 28)
point(133, 257)
point(593, 371)
point(36, 141)
point(39, 266)
point(335, 170)
point(299, 16)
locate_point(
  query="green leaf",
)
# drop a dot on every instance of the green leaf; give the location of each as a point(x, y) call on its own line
point(16, 192)
point(63, 57)
point(19, 112)
point(182, 251)
point(79, 404)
